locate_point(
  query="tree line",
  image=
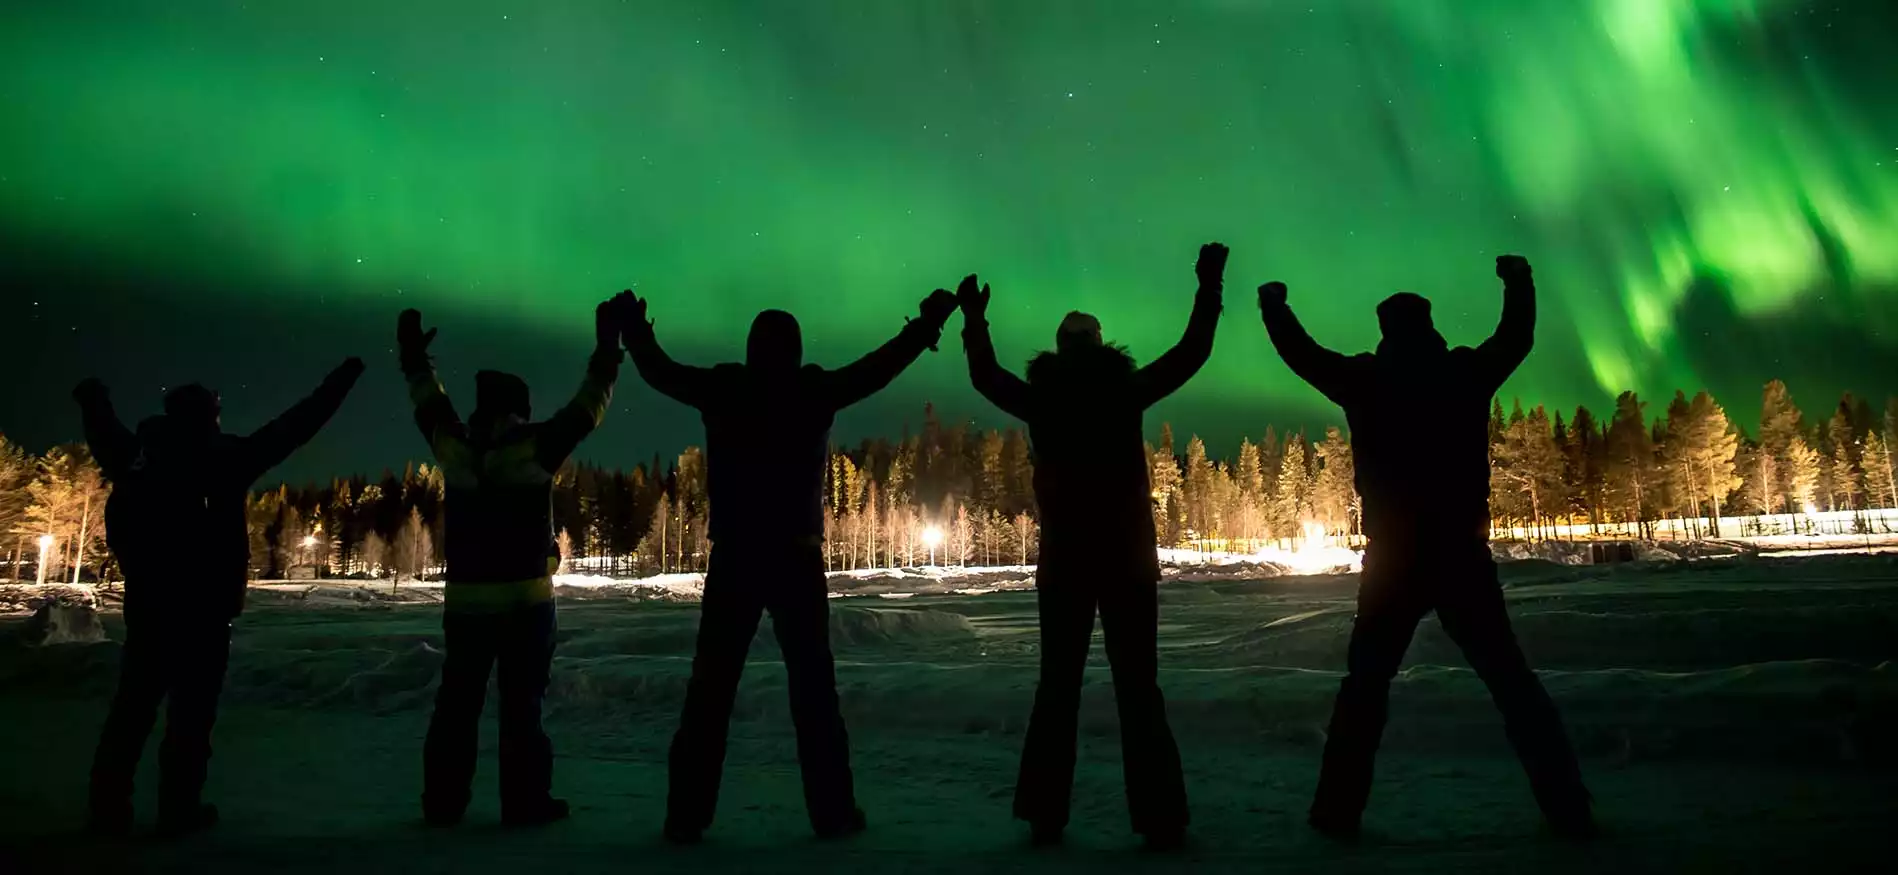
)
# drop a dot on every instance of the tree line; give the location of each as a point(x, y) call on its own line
point(957, 495)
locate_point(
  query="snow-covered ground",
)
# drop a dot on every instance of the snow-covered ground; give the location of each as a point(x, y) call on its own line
point(1734, 716)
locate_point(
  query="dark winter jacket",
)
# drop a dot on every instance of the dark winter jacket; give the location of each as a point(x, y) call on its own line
point(767, 438)
point(1084, 408)
point(497, 510)
point(178, 493)
point(1419, 415)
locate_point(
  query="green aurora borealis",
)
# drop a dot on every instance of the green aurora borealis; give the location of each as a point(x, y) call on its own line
point(1708, 188)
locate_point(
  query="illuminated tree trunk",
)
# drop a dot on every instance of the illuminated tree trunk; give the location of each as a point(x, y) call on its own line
point(79, 548)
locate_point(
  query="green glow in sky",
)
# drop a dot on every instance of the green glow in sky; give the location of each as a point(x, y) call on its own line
point(841, 158)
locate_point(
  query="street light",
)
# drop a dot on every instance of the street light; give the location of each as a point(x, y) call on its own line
point(932, 538)
point(46, 546)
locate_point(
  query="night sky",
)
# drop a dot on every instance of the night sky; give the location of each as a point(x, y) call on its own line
point(244, 193)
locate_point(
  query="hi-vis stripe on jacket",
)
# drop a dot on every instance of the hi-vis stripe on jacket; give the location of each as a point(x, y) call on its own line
point(498, 511)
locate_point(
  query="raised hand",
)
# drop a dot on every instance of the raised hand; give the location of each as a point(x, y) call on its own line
point(610, 318)
point(973, 301)
point(1272, 294)
point(633, 325)
point(937, 307)
point(346, 373)
point(89, 390)
point(1512, 269)
point(1211, 268)
point(409, 335)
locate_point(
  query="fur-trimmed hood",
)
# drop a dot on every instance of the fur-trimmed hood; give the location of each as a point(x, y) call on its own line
point(1091, 365)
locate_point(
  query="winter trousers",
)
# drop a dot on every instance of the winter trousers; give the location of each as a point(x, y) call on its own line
point(1129, 612)
point(744, 581)
point(1459, 582)
point(518, 647)
point(180, 661)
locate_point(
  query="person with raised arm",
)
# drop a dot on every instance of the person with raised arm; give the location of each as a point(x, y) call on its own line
point(767, 436)
point(180, 480)
point(498, 602)
point(1083, 403)
point(1426, 521)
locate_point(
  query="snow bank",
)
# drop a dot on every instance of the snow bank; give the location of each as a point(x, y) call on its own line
point(25, 599)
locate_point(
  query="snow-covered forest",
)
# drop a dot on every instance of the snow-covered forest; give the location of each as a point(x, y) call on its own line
point(955, 495)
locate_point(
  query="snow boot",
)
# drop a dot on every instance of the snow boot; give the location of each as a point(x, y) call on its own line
point(683, 835)
point(1334, 825)
point(843, 828)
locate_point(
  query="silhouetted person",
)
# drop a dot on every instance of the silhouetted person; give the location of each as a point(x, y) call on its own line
point(767, 436)
point(1419, 412)
point(498, 602)
point(1083, 404)
point(180, 481)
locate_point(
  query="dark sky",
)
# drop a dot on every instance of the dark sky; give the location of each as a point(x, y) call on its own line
point(244, 193)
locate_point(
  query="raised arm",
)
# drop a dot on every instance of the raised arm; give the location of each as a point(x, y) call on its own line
point(1516, 332)
point(688, 385)
point(434, 414)
point(996, 383)
point(1326, 370)
point(113, 445)
point(267, 447)
point(868, 375)
point(572, 423)
point(1166, 374)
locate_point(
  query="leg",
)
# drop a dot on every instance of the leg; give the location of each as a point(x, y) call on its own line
point(1045, 783)
point(448, 754)
point(122, 741)
point(1388, 611)
point(524, 657)
point(728, 620)
point(199, 658)
point(1474, 616)
point(800, 617)
point(1150, 759)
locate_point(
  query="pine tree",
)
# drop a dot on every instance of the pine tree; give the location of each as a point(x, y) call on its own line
point(1334, 498)
point(1582, 460)
point(413, 548)
point(1196, 493)
point(1018, 467)
point(1881, 485)
point(653, 552)
point(1802, 476)
point(1780, 425)
point(67, 500)
point(1293, 501)
point(1165, 485)
point(1679, 482)
point(1715, 446)
point(1528, 465)
point(1630, 464)
point(1843, 464)
point(1225, 505)
point(17, 468)
point(1249, 477)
